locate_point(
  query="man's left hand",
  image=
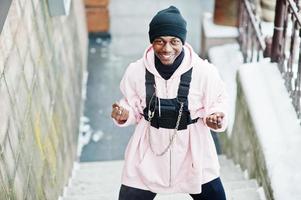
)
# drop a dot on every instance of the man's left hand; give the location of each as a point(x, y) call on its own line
point(215, 120)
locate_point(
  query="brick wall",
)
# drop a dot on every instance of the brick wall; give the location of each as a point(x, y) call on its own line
point(42, 60)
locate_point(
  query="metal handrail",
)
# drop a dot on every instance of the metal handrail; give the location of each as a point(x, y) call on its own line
point(251, 39)
point(287, 48)
point(286, 43)
point(295, 9)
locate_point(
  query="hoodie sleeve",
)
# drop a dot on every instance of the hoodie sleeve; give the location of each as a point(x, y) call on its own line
point(216, 97)
point(130, 100)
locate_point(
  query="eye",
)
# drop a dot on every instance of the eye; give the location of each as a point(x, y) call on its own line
point(158, 42)
point(175, 42)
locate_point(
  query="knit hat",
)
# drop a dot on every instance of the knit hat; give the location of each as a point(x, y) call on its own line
point(168, 22)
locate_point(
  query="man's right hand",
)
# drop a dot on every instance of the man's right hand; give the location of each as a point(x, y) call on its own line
point(119, 113)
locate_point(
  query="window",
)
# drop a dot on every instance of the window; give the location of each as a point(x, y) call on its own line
point(59, 7)
point(4, 6)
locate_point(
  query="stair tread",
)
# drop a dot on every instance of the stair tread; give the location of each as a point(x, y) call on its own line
point(243, 194)
point(101, 180)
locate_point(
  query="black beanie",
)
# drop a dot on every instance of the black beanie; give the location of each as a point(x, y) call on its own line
point(168, 22)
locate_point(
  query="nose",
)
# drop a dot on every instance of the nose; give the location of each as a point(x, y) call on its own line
point(167, 47)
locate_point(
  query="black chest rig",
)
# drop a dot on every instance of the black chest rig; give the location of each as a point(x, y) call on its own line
point(166, 111)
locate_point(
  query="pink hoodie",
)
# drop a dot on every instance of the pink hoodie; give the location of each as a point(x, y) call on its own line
point(192, 159)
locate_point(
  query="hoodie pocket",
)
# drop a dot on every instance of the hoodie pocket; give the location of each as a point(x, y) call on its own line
point(154, 170)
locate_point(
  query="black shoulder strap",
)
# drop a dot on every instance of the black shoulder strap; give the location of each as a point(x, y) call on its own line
point(183, 89)
point(184, 86)
point(149, 85)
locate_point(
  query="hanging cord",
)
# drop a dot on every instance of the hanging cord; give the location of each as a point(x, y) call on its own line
point(171, 140)
point(157, 99)
point(151, 113)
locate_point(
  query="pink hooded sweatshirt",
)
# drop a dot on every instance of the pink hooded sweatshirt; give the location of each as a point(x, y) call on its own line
point(192, 159)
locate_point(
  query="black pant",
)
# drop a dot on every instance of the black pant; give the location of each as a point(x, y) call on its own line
point(212, 190)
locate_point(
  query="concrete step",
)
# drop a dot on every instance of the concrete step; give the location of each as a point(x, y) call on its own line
point(173, 197)
point(91, 197)
point(243, 194)
point(101, 180)
point(224, 161)
point(100, 188)
point(237, 185)
point(110, 197)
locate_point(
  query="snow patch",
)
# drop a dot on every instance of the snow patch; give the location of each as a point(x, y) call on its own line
point(85, 133)
point(227, 58)
point(212, 30)
point(97, 136)
point(276, 124)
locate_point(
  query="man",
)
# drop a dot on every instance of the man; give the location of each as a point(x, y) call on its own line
point(174, 98)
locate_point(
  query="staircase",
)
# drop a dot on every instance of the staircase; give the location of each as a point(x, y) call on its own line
point(101, 181)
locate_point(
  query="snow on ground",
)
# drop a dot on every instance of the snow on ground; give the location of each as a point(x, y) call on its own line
point(227, 59)
point(276, 124)
point(218, 31)
point(275, 120)
point(267, 28)
point(85, 130)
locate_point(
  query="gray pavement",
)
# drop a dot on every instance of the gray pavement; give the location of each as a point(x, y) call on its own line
point(108, 58)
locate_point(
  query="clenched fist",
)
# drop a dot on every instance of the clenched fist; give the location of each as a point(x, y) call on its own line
point(119, 113)
point(215, 120)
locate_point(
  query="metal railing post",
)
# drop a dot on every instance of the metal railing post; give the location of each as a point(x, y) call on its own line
point(278, 30)
point(251, 41)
